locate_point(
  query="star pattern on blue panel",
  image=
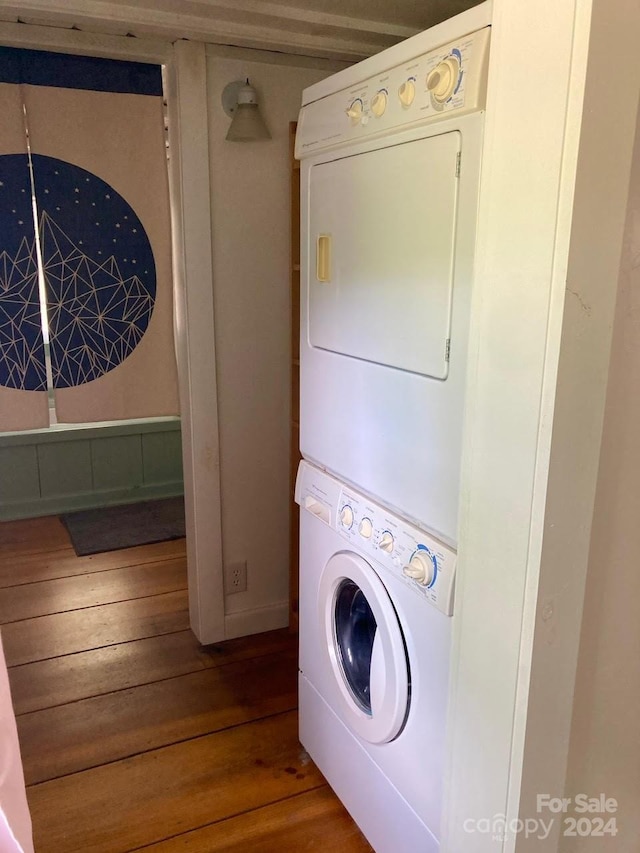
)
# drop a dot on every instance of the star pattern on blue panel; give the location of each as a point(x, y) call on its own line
point(22, 363)
point(97, 314)
point(99, 274)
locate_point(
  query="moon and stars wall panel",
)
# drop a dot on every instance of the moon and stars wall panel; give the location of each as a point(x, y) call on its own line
point(102, 207)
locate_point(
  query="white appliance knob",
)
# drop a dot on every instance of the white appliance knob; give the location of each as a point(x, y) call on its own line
point(441, 81)
point(355, 111)
point(407, 93)
point(346, 516)
point(366, 528)
point(379, 104)
point(420, 568)
point(386, 542)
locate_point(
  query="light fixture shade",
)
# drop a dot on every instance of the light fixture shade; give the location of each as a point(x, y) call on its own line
point(247, 124)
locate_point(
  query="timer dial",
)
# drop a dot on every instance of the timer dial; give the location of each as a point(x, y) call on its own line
point(421, 567)
point(442, 80)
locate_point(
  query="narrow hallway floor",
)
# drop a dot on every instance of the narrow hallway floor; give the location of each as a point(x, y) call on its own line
point(133, 736)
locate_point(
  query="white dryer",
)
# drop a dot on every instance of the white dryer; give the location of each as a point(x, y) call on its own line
point(375, 631)
point(390, 152)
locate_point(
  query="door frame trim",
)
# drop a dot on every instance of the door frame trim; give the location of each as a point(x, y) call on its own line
point(186, 92)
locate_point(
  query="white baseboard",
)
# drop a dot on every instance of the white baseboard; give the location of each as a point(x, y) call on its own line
point(256, 621)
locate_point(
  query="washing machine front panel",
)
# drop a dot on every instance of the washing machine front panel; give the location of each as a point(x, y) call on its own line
point(352, 547)
point(365, 648)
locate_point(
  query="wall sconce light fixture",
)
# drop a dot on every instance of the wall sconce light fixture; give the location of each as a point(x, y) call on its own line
point(240, 101)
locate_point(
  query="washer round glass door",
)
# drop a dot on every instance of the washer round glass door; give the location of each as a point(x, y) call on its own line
point(365, 647)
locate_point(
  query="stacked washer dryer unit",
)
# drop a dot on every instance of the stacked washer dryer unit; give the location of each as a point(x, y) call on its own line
point(390, 153)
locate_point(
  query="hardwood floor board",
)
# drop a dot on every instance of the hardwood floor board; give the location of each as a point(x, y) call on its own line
point(57, 596)
point(62, 740)
point(32, 535)
point(314, 820)
point(145, 799)
point(47, 683)
point(252, 646)
point(17, 568)
point(80, 630)
point(186, 748)
point(34, 567)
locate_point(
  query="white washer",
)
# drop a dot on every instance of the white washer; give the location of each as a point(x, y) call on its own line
point(390, 153)
point(375, 632)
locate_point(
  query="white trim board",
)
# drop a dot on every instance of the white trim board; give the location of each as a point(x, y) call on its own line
point(194, 333)
point(185, 64)
point(257, 620)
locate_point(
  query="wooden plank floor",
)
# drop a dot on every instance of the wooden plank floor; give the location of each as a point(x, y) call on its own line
point(133, 736)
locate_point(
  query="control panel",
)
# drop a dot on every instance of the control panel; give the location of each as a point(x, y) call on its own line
point(449, 79)
point(424, 564)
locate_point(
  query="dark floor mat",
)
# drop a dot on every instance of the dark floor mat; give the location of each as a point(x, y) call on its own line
point(111, 528)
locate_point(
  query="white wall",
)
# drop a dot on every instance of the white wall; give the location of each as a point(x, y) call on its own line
point(605, 743)
point(250, 220)
point(553, 197)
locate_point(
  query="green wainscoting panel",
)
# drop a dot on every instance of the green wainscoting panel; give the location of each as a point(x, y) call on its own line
point(65, 469)
point(117, 462)
point(48, 472)
point(19, 478)
point(162, 457)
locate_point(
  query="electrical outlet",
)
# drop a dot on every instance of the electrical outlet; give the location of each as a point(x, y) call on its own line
point(235, 577)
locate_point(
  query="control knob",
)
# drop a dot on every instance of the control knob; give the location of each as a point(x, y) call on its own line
point(366, 528)
point(406, 93)
point(442, 80)
point(420, 568)
point(379, 103)
point(386, 542)
point(355, 111)
point(346, 516)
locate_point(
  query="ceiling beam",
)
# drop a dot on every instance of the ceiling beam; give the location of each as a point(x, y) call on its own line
point(245, 23)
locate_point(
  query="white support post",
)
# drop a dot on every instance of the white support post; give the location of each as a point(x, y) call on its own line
point(192, 239)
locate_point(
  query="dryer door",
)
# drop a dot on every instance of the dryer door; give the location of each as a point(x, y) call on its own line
point(382, 231)
point(365, 648)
